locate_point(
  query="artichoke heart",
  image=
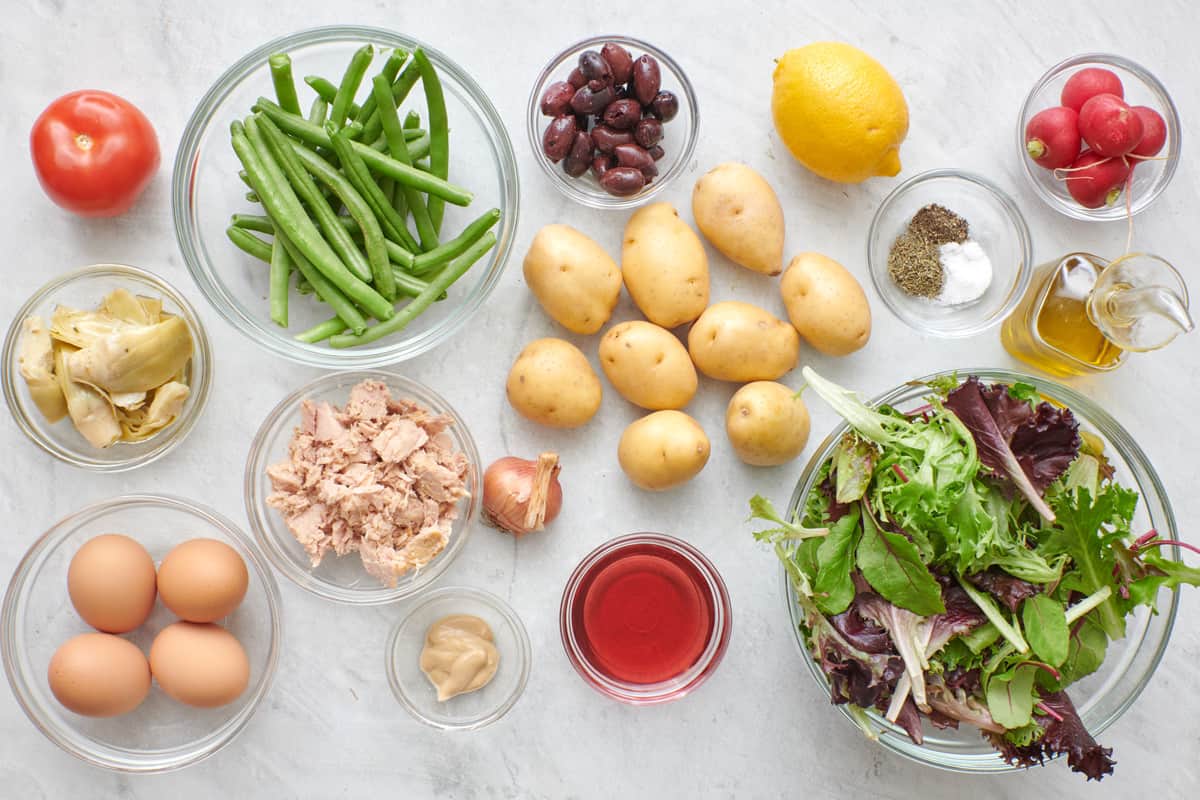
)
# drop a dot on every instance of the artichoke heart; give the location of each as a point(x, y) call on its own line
point(90, 411)
point(123, 305)
point(134, 359)
point(36, 360)
point(144, 422)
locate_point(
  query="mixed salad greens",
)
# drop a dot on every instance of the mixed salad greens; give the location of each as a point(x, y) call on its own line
point(967, 561)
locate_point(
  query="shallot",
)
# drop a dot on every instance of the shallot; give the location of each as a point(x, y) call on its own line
point(520, 495)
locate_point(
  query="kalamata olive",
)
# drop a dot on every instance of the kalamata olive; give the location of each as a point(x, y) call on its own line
point(606, 139)
point(656, 152)
point(591, 101)
point(621, 91)
point(594, 67)
point(632, 155)
point(602, 163)
point(558, 138)
point(665, 106)
point(619, 61)
point(648, 132)
point(580, 157)
point(576, 79)
point(557, 98)
point(623, 114)
point(646, 79)
point(582, 121)
point(622, 181)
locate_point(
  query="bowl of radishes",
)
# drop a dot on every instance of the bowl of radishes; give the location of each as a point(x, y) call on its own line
point(1099, 137)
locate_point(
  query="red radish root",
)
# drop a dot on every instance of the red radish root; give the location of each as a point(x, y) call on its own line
point(1109, 126)
point(1095, 181)
point(1052, 137)
point(1087, 83)
point(1154, 132)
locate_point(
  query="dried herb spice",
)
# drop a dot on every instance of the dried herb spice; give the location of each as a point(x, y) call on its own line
point(913, 262)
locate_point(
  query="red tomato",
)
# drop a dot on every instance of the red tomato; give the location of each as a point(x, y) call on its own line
point(94, 152)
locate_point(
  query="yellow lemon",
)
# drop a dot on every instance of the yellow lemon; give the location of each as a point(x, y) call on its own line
point(839, 112)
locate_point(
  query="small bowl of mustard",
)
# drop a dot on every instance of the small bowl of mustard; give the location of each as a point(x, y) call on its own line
point(443, 625)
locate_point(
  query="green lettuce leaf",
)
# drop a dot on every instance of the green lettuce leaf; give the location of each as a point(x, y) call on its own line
point(893, 567)
point(1011, 696)
point(1046, 630)
point(834, 587)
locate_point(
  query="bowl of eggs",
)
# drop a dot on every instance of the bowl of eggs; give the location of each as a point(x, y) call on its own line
point(141, 633)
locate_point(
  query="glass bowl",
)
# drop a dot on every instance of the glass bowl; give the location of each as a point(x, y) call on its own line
point(679, 135)
point(160, 734)
point(206, 191)
point(465, 711)
point(1141, 89)
point(1102, 697)
point(645, 693)
point(84, 288)
point(995, 222)
point(343, 579)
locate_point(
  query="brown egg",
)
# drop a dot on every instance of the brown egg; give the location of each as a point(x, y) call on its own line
point(111, 583)
point(202, 580)
point(199, 664)
point(99, 675)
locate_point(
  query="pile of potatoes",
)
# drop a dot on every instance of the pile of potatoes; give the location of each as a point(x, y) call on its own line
point(665, 270)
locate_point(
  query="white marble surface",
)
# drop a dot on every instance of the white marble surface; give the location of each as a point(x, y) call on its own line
point(760, 727)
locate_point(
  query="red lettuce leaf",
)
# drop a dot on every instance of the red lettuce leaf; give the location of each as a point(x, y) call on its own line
point(1065, 736)
point(1007, 589)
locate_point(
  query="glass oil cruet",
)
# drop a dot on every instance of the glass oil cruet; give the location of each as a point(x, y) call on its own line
point(1082, 314)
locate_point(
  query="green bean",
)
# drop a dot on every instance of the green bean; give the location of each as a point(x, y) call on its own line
point(322, 331)
point(324, 288)
point(253, 222)
point(327, 91)
point(412, 120)
point(391, 68)
point(249, 243)
point(281, 273)
point(399, 151)
point(318, 112)
point(304, 287)
point(377, 162)
point(400, 89)
point(290, 219)
point(252, 196)
point(425, 263)
point(337, 236)
point(350, 83)
point(439, 132)
point(285, 87)
point(454, 270)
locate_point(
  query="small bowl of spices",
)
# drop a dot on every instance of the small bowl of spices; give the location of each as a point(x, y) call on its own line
point(949, 253)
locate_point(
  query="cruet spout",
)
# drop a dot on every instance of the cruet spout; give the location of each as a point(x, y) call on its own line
point(1140, 303)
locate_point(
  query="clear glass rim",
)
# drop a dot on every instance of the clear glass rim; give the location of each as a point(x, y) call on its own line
point(570, 187)
point(257, 511)
point(1025, 241)
point(1170, 116)
point(169, 438)
point(892, 736)
point(524, 657)
point(662, 691)
point(187, 235)
point(113, 758)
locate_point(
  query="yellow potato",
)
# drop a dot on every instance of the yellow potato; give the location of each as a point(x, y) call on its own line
point(739, 342)
point(826, 304)
point(767, 423)
point(552, 383)
point(662, 450)
point(576, 282)
point(737, 210)
point(665, 267)
point(647, 365)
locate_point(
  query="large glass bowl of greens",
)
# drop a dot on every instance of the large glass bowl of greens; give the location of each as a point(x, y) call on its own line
point(207, 191)
point(926, 537)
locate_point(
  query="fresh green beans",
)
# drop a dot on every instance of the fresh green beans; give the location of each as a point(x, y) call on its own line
point(400, 89)
point(290, 219)
point(454, 270)
point(322, 331)
point(323, 287)
point(398, 148)
point(318, 112)
point(350, 83)
point(285, 86)
point(249, 243)
point(327, 91)
point(425, 263)
point(391, 68)
point(253, 222)
point(335, 234)
point(439, 132)
point(377, 162)
point(397, 254)
point(280, 276)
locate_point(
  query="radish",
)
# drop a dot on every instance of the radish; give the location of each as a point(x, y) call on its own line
point(1154, 132)
point(1087, 83)
point(1095, 181)
point(1109, 126)
point(1052, 137)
